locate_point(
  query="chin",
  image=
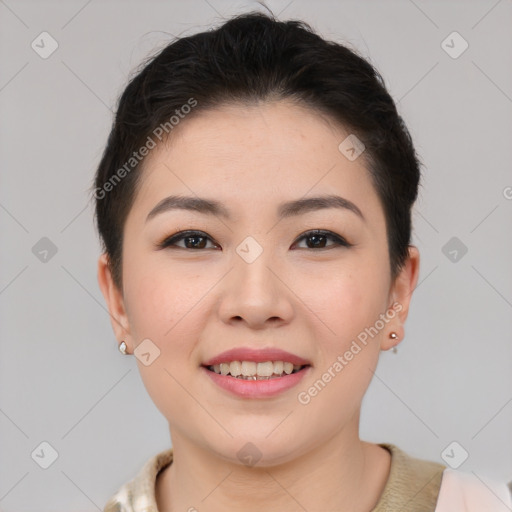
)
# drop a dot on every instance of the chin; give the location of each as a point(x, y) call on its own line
point(260, 451)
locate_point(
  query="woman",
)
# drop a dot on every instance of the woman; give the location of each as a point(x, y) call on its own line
point(254, 204)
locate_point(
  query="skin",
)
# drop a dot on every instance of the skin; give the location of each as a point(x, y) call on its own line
point(195, 303)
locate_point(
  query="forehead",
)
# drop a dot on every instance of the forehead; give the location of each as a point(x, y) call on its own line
point(253, 156)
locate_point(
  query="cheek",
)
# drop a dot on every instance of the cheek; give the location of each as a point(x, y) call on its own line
point(347, 297)
point(164, 309)
point(160, 302)
point(348, 350)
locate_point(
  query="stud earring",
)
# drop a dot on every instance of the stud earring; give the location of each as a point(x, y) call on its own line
point(394, 336)
point(122, 348)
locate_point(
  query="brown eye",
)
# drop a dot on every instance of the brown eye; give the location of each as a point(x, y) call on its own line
point(317, 239)
point(192, 240)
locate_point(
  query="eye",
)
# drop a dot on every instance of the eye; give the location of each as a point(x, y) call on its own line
point(318, 238)
point(193, 240)
point(199, 240)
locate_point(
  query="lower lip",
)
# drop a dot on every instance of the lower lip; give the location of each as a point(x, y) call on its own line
point(257, 388)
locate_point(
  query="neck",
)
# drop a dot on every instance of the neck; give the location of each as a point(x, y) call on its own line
point(344, 474)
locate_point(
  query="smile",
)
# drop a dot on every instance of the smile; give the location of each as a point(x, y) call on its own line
point(251, 370)
point(256, 386)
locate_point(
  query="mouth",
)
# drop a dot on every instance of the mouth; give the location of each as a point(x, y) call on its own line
point(256, 371)
point(252, 373)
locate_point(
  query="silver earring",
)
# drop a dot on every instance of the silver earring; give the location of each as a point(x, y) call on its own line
point(122, 348)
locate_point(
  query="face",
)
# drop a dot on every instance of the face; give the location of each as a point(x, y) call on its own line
point(258, 278)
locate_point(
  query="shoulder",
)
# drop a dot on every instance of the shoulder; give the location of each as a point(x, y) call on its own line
point(418, 485)
point(138, 494)
point(413, 484)
point(470, 493)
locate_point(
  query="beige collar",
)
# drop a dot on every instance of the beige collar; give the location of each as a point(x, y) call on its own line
point(413, 484)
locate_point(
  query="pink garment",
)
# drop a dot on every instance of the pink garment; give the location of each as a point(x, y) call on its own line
point(465, 492)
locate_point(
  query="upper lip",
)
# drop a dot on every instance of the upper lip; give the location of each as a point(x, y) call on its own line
point(256, 355)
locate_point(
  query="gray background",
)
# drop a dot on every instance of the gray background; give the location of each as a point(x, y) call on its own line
point(62, 379)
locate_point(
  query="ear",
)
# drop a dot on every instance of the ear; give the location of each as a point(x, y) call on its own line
point(115, 302)
point(400, 296)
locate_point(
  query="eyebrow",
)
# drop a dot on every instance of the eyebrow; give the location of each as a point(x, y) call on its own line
point(287, 209)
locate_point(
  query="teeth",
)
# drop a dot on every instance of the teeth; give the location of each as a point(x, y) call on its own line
point(235, 368)
point(250, 370)
point(265, 369)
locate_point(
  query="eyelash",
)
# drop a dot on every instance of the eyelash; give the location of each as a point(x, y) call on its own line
point(172, 240)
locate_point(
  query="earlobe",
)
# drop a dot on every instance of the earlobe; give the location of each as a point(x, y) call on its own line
point(114, 299)
point(400, 298)
point(391, 341)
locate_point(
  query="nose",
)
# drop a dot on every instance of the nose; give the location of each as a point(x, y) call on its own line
point(256, 294)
